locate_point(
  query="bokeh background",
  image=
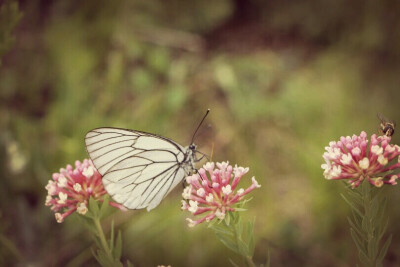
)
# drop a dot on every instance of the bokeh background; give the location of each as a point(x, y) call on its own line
point(282, 79)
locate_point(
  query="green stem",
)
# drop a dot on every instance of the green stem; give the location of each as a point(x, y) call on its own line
point(102, 237)
point(248, 258)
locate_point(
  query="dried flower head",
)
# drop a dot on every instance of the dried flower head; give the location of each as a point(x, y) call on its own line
point(71, 189)
point(352, 158)
point(214, 193)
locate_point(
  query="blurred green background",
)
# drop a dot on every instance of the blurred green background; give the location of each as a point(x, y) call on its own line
point(282, 79)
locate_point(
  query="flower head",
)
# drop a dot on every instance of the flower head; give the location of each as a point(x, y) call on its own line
point(70, 190)
point(355, 159)
point(212, 191)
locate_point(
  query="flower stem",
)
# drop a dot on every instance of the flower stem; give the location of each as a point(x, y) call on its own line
point(368, 224)
point(102, 237)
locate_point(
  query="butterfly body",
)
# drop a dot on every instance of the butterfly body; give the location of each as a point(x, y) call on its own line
point(139, 169)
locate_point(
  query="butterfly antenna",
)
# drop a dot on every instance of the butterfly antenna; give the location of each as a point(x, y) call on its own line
point(198, 127)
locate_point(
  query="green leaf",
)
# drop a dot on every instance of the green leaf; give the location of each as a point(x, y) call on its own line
point(250, 234)
point(233, 263)
point(268, 262)
point(384, 249)
point(383, 228)
point(104, 207)
point(94, 207)
point(228, 243)
point(354, 227)
point(117, 252)
point(364, 259)
point(353, 207)
point(222, 230)
point(357, 219)
point(372, 248)
point(111, 243)
point(357, 241)
point(239, 227)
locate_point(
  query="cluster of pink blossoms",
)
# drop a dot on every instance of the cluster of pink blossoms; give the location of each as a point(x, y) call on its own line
point(214, 194)
point(71, 189)
point(354, 159)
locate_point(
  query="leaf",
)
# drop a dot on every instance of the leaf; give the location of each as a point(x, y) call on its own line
point(228, 243)
point(353, 207)
point(364, 259)
point(233, 263)
point(383, 228)
point(354, 227)
point(111, 243)
point(268, 262)
point(117, 252)
point(372, 247)
point(384, 250)
point(250, 234)
point(357, 241)
point(94, 207)
point(104, 206)
point(222, 230)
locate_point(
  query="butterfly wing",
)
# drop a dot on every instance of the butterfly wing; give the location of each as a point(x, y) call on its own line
point(139, 169)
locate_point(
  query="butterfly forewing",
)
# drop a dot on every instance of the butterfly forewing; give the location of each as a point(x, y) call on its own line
point(139, 169)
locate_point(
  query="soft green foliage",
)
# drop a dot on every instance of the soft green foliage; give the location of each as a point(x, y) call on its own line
point(108, 252)
point(9, 17)
point(368, 223)
point(236, 235)
point(280, 84)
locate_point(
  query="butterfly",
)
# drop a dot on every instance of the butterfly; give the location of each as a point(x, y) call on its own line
point(139, 169)
point(386, 126)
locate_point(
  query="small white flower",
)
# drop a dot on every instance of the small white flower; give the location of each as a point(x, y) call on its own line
point(390, 148)
point(240, 171)
point(335, 171)
point(364, 163)
point(223, 165)
point(346, 159)
point(393, 179)
point(382, 160)
point(88, 172)
point(377, 150)
point(210, 198)
point(193, 206)
point(48, 200)
point(51, 188)
point(184, 205)
point(209, 166)
point(187, 192)
point(63, 197)
point(379, 182)
point(191, 223)
point(227, 189)
point(62, 181)
point(215, 185)
point(240, 191)
point(82, 209)
point(220, 215)
point(59, 217)
point(201, 192)
point(253, 179)
point(356, 151)
point(77, 187)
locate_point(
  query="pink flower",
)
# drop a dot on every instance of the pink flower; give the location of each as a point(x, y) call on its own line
point(71, 189)
point(214, 194)
point(352, 158)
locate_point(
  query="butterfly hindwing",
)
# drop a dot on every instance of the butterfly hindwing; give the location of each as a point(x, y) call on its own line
point(139, 169)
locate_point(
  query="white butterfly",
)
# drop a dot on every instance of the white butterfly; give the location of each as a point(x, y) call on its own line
point(139, 169)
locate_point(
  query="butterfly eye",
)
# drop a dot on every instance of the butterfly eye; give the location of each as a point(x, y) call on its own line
point(192, 147)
